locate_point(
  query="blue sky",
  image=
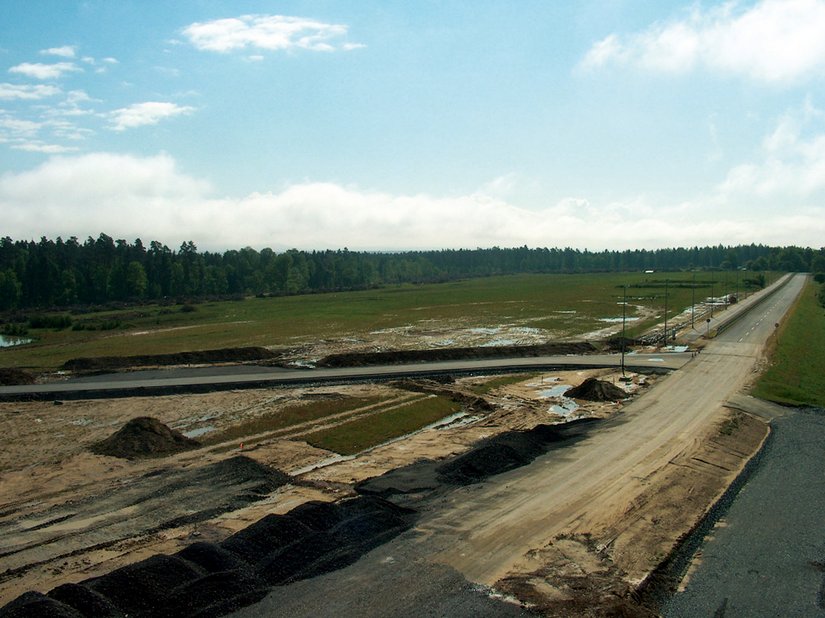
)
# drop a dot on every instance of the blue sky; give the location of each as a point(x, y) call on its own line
point(389, 125)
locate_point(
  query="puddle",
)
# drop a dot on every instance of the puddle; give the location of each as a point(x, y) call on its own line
point(565, 408)
point(556, 391)
point(8, 341)
point(618, 320)
point(200, 431)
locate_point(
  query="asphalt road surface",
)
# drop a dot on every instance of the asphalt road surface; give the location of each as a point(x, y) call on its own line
point(215, 378)
point(767, 556)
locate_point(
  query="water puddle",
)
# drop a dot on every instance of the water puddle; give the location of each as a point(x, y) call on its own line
point(200, 431)
point(8, 341)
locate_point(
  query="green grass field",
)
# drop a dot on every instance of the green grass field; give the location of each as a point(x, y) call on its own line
point(362, 433)
point(796, 375)
point(568, 304)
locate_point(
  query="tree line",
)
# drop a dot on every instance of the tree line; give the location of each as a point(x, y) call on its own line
point(64, 273)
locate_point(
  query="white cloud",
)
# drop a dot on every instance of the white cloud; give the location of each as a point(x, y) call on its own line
point(267, 32)
point(149, 197)
point(148, 113)
point(11, 92)
point(66, 51)
point(37, 146)
point(38, 70)
point(790, 165)
point(771, 41)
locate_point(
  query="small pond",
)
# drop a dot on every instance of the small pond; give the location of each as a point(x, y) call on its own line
point(7, 341)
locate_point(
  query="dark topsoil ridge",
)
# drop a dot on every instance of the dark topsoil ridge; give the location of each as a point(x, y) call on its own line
point(14, 377)
point(223, 355)
point(361, 359)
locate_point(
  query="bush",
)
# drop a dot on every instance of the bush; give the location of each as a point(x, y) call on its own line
point(188, 308)
point(58, 322)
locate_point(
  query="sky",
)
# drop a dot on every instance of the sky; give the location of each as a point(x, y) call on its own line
point(394, 124)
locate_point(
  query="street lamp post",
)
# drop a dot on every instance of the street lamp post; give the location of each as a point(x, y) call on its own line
point(624, 326)
point(666, 285)
point(693, 300)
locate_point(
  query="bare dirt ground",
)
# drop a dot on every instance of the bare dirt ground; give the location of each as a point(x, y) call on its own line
point(67, 514)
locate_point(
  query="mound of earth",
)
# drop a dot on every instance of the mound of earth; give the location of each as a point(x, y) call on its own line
point(205, 579)
point(144, 436)
point(222, 355)
point(361, 359)
point(13, 377)
point(593, 389)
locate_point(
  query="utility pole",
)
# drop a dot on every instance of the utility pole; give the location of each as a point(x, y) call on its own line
point(624, 326)
point(693, 300)
point(666, 282)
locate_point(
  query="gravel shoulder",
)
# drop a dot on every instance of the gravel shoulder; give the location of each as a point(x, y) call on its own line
point(766, 556)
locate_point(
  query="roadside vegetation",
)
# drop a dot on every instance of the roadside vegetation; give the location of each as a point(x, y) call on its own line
point(562, 305)
point(796, 375)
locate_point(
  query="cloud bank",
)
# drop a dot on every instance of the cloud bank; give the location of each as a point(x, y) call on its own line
point(772, 41)
point(150, 198)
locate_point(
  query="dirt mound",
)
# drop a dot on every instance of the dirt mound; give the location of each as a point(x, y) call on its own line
point(488, 457)
point(197, 357)
point(505, 452)
point(212, 580)
point(143, 436)
point(14, 377)
point(361, 359)
point(593, 389)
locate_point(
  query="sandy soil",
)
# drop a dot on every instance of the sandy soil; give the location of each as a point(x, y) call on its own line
point(47, 473)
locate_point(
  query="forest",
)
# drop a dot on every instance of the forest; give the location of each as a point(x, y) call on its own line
point(65, 273)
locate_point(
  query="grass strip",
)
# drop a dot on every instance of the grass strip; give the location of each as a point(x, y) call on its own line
point(290, 416)
point(360, 434)
point(796, 375)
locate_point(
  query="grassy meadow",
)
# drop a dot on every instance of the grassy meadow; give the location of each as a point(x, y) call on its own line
point(796, 375)
point(564, 305)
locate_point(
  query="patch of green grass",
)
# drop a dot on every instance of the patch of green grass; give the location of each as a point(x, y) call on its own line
point(568, 304)
point(796, 375)
point(289, 417)
point(360, 434)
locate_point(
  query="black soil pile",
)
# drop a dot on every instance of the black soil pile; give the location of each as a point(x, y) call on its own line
point(362, 359)
point(205, 579)
point(488, 457)
point(143, 436)
point(593, 389)
point(469, 400)
point(14, 377)
point(199, 357)
point(507, 451)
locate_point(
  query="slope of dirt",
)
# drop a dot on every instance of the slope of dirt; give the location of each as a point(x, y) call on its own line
point(593, 389)
point(361, 359)
point(206, 579)
point(159, 500)
point(223, 355)
point(143, 436)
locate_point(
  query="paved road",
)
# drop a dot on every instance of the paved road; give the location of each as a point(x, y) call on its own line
point(767, 556)
point(216, 378)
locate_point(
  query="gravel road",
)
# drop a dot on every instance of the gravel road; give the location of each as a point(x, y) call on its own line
point(767, 556)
